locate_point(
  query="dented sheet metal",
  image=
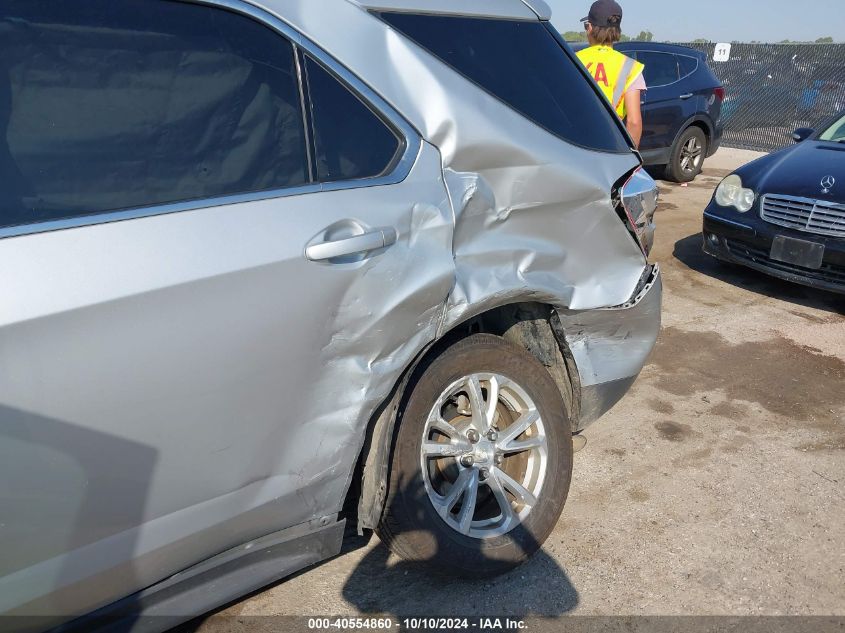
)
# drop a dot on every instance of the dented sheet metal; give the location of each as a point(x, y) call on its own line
point(208, 328)
point(610, 346)
point(533, 216)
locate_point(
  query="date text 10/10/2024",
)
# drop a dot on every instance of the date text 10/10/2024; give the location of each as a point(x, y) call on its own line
point(417, 624)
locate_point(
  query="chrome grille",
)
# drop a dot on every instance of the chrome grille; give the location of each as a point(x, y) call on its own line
point(804, 214)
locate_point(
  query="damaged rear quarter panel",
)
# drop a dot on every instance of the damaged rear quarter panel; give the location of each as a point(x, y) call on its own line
point(533, 215)
point(497, 210)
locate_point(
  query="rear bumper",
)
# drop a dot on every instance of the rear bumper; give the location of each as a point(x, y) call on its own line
point(716, 141)
point(610, 346)
point(749, 245)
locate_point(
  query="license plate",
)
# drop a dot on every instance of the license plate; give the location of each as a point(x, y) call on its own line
point(797, 252)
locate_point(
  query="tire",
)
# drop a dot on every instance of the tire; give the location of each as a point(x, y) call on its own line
point(681, 167)
point(492, 540)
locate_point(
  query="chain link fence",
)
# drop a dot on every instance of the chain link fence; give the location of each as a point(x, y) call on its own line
point(773, 89)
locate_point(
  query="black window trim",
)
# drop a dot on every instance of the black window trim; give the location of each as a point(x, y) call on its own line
point(397, 172)
point(308, 104)
point(676, 55)
point(694, 70)
point(305, 111)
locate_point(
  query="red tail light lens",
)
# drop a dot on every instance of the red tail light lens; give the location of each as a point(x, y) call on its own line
point(720, 93)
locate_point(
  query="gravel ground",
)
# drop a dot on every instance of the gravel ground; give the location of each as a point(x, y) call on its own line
point(715, 487)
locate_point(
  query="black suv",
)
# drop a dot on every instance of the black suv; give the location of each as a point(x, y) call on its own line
point(681, 108)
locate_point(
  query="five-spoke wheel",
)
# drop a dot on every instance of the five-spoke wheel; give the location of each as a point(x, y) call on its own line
point(687, 156)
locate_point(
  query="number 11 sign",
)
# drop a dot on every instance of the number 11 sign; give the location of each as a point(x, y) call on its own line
point(722, 53)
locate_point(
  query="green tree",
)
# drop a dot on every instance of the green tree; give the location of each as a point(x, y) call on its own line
point(701, 40)
point(581, 36)
point(824, 40)
point(575, 36)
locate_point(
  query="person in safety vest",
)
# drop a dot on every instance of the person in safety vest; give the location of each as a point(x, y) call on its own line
point(619, 77)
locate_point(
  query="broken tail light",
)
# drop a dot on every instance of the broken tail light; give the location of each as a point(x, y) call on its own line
point(636, 201)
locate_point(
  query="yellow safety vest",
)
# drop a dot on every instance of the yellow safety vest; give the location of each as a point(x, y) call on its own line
point(613, 72)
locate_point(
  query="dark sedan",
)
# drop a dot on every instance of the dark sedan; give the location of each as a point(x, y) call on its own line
point(784, 214)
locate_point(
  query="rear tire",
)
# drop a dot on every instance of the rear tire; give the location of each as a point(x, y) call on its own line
point(687, 157)
point(425, 518)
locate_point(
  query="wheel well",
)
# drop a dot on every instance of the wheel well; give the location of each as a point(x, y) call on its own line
point(704, 128)
point(533, 326)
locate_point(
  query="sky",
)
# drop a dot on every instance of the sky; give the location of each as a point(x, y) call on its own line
point(718, 20)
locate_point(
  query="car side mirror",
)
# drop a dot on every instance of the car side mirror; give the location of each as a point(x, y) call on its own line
point(802, 134)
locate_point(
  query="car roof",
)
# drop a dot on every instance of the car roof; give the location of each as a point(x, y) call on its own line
point(659, 47)
point(512, 9)
point(646, 46)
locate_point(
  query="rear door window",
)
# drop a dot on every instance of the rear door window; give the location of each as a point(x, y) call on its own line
point(522, 64)
point(350, 140)
point(111, 105)
point(687, 65)
point(661, 69)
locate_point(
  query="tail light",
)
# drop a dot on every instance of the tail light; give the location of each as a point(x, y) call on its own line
point(636, 204)
point(720, 93)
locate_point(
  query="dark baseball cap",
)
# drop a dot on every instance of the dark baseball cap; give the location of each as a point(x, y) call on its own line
point(604, 13)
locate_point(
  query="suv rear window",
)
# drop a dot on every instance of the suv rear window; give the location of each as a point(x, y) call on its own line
point(661, 69)
point(687, 65)
point(522, 64)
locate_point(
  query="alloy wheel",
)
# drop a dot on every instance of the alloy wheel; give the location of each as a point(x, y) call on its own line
point(691, 155)
point(484, 455)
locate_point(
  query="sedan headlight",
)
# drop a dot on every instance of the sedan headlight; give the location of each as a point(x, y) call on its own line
point(731, 193)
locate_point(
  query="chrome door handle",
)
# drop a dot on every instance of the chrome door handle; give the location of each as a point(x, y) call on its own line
point(687, 96)
point(369, 241)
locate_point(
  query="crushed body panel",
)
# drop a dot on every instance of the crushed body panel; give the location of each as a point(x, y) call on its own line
point(206, 327)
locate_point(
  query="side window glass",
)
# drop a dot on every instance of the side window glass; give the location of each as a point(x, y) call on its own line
point(350, 140)
point(112, 105)
point(687, 65)
point(660, 68)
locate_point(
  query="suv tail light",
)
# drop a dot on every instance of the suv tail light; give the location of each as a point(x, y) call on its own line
point(720, 93)
point(636, 206)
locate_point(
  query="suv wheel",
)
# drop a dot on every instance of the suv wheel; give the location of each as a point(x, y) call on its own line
point(482, 461)
point(687, 156)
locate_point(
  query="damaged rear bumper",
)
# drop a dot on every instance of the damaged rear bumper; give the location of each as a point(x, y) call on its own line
point(611, 345)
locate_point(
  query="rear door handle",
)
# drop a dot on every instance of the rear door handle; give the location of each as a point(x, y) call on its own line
point(370, 241)
point(687, 96)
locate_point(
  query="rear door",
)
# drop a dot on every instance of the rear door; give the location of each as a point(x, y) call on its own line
point(663, 103)
point(198, 257)
point(699, 81)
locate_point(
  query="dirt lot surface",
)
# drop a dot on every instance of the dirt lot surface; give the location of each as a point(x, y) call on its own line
point(716, 487)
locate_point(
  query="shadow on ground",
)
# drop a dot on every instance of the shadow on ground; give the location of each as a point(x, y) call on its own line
point(688, 251)
point(539, 587)
point(384, 585)
point(456, 575)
